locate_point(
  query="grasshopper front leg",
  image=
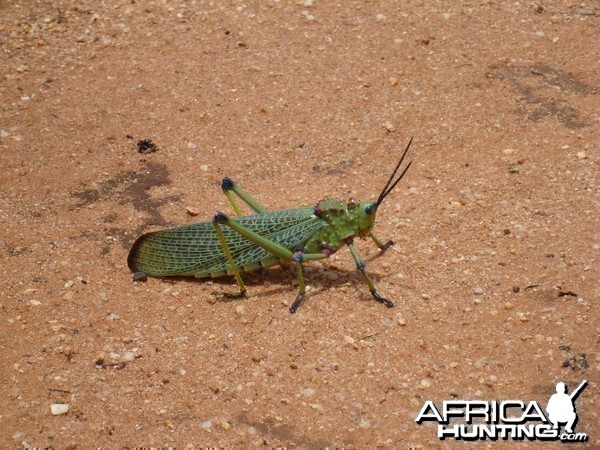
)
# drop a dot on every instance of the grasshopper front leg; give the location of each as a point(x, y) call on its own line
point(383, 247)
point(361, 267)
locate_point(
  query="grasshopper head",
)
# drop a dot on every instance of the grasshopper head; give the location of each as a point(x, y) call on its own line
point(364, 214)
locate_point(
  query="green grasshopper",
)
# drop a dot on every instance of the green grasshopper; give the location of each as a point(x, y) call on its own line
point(228, 246)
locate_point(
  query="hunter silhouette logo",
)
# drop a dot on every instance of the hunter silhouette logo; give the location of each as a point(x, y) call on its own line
point(561, 407)
point(508, 419)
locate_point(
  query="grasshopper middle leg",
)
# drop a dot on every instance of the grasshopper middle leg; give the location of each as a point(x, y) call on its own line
point(273, 248)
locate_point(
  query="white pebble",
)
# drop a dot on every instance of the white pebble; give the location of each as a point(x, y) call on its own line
point(331, 275)
point(388, 322)
point(308, 392)
point(59, 408)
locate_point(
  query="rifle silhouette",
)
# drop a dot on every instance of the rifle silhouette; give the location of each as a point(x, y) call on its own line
point(576, 392)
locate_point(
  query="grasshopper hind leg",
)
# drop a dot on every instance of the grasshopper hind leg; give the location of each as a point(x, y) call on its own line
point(228, 186)
point(232, 266)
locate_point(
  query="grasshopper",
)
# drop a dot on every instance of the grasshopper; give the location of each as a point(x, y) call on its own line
point(227, 246)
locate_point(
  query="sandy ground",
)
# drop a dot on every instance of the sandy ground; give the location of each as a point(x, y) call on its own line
point(494, 270)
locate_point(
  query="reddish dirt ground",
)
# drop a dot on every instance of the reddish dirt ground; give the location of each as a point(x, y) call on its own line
point(494, 270)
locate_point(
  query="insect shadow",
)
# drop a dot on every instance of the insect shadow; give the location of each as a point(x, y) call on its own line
point(277, 280)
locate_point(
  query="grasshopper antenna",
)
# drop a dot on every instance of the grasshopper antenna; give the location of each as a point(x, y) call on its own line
point(385, 191)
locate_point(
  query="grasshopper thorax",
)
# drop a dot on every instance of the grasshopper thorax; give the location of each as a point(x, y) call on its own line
point(349, 219)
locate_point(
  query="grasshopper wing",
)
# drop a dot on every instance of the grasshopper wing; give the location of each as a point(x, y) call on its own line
point(195, 249)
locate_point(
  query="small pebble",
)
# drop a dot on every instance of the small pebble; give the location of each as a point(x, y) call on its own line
point(139, 277)
point(192, 211)
point(308, 16)
point(581, 155)
point(331, 275)
point(129, 356)
point(59, 408)
point(380, 17)
point(308, 392)
point(19, 436)
point(388, 322)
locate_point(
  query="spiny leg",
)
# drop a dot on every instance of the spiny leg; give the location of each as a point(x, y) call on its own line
point(383, 247)
point(234, 270)
point(228, 185)
point(361, 267)
point(274, 249)
point(298, 258)
point(301, 286)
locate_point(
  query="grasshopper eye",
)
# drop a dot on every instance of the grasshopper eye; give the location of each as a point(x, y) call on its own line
point(370, 209)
